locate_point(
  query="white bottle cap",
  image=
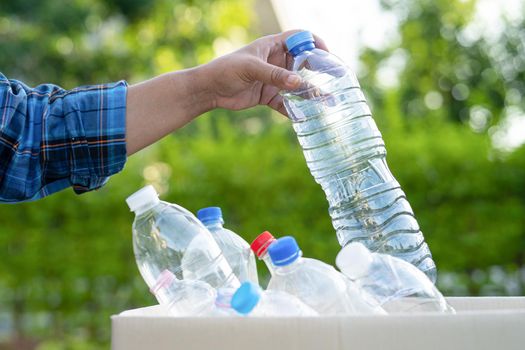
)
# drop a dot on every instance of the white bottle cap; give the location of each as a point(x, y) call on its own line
point(354, 260)
point(146, 195)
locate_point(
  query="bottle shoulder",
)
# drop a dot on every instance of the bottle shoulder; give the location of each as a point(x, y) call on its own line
point(167, 221)
point(155, 211)
point(317, 60)
point(310, 267)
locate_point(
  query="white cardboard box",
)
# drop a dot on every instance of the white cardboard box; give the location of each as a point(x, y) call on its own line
point(480, 323)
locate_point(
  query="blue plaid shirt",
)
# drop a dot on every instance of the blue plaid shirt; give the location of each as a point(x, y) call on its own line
point(51, 138)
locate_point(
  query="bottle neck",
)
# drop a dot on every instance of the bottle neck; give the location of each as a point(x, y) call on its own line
point(262, 252)
point(146, 207)
point(308, 46)
point(282, 270)
point(268, 261)
point(214, 225)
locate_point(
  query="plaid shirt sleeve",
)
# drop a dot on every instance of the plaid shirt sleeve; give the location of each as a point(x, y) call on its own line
point(51, 138)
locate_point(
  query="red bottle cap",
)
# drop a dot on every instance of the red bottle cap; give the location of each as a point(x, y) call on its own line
point(261, 243)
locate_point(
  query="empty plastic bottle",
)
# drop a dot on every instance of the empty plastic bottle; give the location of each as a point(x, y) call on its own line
point(251, 300)
point(192, 298)
point(315, 283)
point(260, 247)
point(183, 297)
point(346, 155)
point(234, 248)
point(395, 284)
point(169, 237)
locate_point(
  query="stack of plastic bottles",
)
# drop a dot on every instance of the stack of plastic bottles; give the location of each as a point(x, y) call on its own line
point(196, 267)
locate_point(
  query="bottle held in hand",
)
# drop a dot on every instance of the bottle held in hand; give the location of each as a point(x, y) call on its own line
point(346, 155)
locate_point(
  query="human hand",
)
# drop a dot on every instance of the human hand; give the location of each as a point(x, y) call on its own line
point(253, 75)
point(248, 77)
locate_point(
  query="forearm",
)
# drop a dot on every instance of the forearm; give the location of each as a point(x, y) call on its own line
point(156, 107)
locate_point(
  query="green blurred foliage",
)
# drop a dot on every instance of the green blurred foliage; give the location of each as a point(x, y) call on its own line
point(451, 67)
point(442, 119)
point(67, 261)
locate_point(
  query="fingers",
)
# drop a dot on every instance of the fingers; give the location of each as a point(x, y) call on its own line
point(274, 75)
point(270, 96)
point(319, 43)
point(277, 104)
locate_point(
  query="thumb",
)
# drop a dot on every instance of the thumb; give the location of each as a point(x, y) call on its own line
point(276, 76)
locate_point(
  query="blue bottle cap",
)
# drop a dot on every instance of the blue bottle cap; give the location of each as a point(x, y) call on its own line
point(284, 251)
point(246, 297)
point(301, 39)
point(209, 215)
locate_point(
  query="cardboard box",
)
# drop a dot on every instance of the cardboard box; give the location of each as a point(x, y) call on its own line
point(480, 323)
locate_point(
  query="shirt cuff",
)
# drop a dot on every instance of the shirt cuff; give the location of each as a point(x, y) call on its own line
point(96, 128)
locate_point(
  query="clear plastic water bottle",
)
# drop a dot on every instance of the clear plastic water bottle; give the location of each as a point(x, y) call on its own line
point(234, 248)
point(192, 298)
point(169, 237)
point(395, 284)
point(260, 247)
point(183, 297)
point(346, 155)
point(251, 300)
point(315, 283)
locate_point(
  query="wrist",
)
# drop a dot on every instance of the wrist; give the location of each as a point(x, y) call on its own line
point(202, 97)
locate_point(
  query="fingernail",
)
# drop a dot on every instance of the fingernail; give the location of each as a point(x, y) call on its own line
point(293, 80)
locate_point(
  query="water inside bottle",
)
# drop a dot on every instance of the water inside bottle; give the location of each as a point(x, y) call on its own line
point(346, 155)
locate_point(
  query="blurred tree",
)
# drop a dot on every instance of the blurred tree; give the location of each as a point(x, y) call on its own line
point(450, 67)
point(99, 41)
